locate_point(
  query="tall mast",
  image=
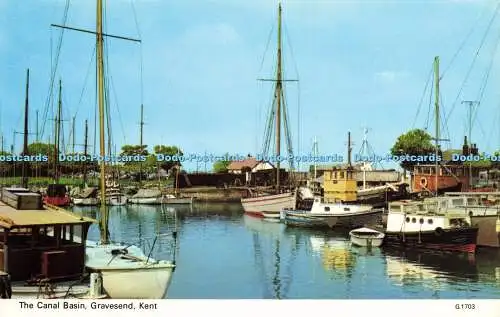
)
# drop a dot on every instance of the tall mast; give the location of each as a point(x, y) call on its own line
point(102, 145)
point(436, 106)
point(278, 103)
point(141, 124)
point(56, 134)
point(73, 134)
point(85, 152)
point(349, 150)
point(25, 144)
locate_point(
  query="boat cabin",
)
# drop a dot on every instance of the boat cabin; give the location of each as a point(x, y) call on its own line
point(418, 216)
point(42, 244)
point(340, 185)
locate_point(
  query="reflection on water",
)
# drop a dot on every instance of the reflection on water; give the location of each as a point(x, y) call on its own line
point(224, 254)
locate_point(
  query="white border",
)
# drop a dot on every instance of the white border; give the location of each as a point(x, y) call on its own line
point(252, 308)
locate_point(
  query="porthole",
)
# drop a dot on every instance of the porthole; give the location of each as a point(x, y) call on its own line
point(413, 220)
point(429, 221)
point(407, 219)
point(421, 221)
point(327, 208)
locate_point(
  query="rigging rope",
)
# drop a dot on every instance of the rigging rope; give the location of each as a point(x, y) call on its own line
point(429, 77)
point(473, 62)
point(54, 70)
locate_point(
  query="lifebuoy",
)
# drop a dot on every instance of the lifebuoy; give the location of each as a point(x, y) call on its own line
point(423, 182)
point(439, 231)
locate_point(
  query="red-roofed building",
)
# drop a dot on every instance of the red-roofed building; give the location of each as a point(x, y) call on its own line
point(250, 164)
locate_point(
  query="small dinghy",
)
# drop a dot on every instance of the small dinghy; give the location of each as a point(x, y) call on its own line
point(366, 237)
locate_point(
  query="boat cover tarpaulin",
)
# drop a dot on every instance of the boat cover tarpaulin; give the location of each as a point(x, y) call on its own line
point(147, 193)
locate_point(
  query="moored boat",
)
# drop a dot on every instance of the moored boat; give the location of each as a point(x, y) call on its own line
point(366, 237)
point(422, 225)
point(147, 197)
point(334, 215)
point(57, 195)
point(87, 198)
point(173, 200)
point(269, 204)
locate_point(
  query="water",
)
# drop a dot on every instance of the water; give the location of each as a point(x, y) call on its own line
point(223, 254)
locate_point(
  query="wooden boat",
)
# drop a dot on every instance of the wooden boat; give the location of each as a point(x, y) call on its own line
point(333, 215)
point(366, 237)
point(57, 195)
point(479, 209)
point(273, 203)
point(173, 200)
point(147, 197)
point(422, 225)
point(36, 263)
point(87, 198)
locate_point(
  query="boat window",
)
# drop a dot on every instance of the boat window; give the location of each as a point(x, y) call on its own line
point(346, 209)
point(421, 221)
point(413, 220)
point(429, 221)
point(327, 208)
point(407, 219)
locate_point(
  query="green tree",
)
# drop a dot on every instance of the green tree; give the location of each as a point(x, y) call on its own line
point(413, 142)
point(168, 150)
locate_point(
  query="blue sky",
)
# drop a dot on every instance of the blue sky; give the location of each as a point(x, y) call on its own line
point(359, 63)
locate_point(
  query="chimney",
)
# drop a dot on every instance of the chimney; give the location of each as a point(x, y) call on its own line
point(465, 147)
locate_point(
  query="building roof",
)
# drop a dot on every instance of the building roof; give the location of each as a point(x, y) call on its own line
point(11, 218)
point(249, 162)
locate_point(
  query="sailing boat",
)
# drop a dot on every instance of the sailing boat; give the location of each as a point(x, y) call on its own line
point(176, 199)
point(57, 194)
point(265, 204)
point(89, 195)
point(127, 273)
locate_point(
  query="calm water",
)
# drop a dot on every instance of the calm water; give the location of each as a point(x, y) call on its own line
point(223, 254)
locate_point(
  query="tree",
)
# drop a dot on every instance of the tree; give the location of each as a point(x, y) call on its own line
point(413, 142)
point(168, 151)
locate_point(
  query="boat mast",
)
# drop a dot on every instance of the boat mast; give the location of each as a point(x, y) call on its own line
point(85, 153)
point(278, 103)
point(102, 146)
point(24, 180)
point(141, 124)
point(436, 105)
point(57, 133)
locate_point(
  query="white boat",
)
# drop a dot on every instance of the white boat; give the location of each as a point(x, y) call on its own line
point(147, 197)
point(127, 273)
point(366, 237)
point(423, 225)
point(270, 204)
point(173, 200)
point(87, 198)
point(333, 215)
point(114, 197)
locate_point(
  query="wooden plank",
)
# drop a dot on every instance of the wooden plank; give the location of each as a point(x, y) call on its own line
point(23, 200)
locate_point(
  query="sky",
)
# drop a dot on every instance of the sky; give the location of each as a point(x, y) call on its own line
point(358, 64)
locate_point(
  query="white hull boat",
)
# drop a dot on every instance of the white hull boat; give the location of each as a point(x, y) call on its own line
point(366, 237)
point(172, 200)
point(117, 200)
point(270, 204)
point(146, 200)
point(127, 273)
point(92, 201)
point(333, 215)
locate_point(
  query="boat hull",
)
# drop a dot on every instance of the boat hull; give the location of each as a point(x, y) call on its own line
point(347, 221)
point(178, 201)
point(271, 204)
point(59, 291)
point(85, 201)
point(149, 282)
point(454, 240)
point(487, 236)
point(117, 200)
point(146, 201)
point(57, 201)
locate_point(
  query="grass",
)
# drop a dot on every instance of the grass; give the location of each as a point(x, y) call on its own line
point(70, 181)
